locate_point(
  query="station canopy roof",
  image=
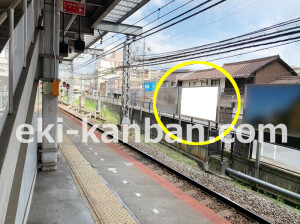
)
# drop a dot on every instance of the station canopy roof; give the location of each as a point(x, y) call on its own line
point(111, 13)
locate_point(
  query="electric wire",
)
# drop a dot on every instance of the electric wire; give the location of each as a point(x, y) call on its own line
point(168, 26)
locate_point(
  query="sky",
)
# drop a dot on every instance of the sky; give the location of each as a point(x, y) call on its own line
point(229, 19)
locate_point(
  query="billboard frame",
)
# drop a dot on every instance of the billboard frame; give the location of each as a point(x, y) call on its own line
point(217, 108)
point(244, 107)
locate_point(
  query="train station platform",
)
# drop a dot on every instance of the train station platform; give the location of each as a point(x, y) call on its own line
point(56, 198)
point(116, 187)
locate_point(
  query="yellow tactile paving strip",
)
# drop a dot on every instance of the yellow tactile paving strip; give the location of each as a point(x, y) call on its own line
point(105, 204)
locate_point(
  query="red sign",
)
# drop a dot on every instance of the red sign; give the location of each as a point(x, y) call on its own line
point(76, 8)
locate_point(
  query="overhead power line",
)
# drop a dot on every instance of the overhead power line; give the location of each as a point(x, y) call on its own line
point(213, 48)
point(120, 46)
point(273, 27)
point(274, 38)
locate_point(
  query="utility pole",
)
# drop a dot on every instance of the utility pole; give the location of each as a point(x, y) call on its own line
point(143, 77)
point(126, 82)
point(144, 52)
point(81, 92)
point(72, 85)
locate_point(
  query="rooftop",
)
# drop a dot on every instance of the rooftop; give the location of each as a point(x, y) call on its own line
point(174, 77)
point(238, 69)
point(286, 80)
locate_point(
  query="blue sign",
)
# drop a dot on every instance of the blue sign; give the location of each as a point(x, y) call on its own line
point(149, 86)
point(274, 104)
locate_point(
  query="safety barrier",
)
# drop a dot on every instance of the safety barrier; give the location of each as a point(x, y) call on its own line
point(13, 55)
point(277, 155)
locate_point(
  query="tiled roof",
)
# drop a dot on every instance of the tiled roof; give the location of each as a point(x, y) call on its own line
point(174, 77)
point(286, 80)
point(236, 69)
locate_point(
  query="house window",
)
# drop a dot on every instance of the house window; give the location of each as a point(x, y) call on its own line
point(204, 82)
point(215, 82)
point(173, 84)
point(165, 84)
point(192, 84)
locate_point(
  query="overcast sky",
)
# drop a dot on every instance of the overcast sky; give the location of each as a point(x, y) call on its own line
point(229, 19)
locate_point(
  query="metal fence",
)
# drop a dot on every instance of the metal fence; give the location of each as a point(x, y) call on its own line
point(224, 117)
point(277, 155)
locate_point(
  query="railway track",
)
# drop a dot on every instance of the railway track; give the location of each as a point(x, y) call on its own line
point(229, 209)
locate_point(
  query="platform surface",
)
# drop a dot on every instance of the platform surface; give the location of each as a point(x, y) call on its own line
point(146, 196)
point(56, 199)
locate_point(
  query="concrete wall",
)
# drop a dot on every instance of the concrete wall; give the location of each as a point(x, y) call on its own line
point(269, 173)
point(198, 152)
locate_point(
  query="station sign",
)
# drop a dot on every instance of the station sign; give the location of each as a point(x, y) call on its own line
point(149, 86)
point(71, 7)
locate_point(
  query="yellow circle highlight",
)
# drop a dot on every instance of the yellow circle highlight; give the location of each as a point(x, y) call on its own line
point(207, 142)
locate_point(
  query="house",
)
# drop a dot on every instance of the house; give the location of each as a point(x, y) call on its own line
point(114, 86)
point(173, 79)
point(256, 71)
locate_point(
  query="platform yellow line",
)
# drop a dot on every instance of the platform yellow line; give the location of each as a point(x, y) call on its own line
point(106, 205)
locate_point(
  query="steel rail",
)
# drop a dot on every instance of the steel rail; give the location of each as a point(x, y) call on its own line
point(249, 214)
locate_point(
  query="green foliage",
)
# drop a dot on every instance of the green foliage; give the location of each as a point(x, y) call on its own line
point(110, 116)
point(65, 99)
point(90, 105)
point(76, 103)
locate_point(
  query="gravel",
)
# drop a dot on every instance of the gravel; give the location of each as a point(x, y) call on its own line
point(253, 201)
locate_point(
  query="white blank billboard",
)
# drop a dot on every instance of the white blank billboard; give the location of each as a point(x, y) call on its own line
point(200, 102)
